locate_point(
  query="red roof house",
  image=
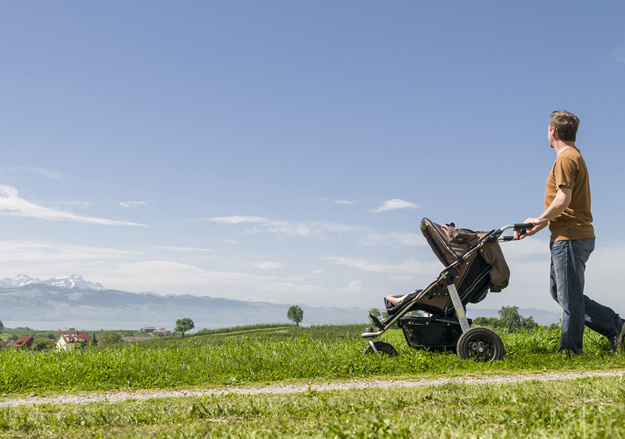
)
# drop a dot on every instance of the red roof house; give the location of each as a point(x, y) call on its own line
point(24, 342)
point(70, 340)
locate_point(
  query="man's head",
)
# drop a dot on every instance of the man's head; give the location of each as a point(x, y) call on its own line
point(565, 124)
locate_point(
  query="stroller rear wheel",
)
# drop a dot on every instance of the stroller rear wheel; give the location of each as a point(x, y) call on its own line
point(382, 348)
point(480, 344)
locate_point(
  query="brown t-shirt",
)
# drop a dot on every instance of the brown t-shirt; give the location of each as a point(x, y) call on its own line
point(569, 170)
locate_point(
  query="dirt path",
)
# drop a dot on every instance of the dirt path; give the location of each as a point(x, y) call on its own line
point(298, 388)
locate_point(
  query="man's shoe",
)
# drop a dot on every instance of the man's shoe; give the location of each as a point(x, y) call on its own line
point(616, 344)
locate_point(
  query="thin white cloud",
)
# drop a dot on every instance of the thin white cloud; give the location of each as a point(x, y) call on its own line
point(394, 204)
point(45, 172)
point(317, 229)
point(174, 249)
point(11, 204)
point(37, 254)
point(240, 219)
point(345, 202)
point(354, 287)
point(268, 265)
point(132, 203)
point(393, 239)
point(170, 273)
point(321, 230)
point(59, 205)
point(411, 266)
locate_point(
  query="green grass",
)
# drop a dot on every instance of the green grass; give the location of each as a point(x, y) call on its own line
point(308, 354)
point(256, 356)
point(583, 408)
point(259, 332)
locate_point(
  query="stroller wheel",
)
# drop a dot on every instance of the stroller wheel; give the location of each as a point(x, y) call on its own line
point(480, 344)
point(383, 348)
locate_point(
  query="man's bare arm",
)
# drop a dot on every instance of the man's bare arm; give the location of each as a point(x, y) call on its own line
point(555, 209)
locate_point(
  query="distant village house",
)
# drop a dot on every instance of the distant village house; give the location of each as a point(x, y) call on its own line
point(153, 330)
point(23, 342)
point(71, 340)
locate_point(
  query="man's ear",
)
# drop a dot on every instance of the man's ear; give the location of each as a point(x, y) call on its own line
point(554, 133)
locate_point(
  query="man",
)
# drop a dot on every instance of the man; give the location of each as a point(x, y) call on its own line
point(567, 213)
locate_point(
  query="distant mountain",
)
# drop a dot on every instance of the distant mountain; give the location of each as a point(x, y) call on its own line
point(64, 302)
point(73, 281)
point(41, 305)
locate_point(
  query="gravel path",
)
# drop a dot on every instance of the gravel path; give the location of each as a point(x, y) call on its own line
point(299, 388)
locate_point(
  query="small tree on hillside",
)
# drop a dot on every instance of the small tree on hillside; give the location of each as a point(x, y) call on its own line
point(295, 314)
point(184, 325)
point(510, 318)
point(39, 344)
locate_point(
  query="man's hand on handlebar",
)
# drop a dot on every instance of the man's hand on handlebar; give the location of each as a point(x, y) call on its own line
point(537, 224)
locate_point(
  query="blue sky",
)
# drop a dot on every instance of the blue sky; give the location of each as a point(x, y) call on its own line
point(287, 151)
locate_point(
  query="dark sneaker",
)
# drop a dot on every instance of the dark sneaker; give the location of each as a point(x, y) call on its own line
point(616, 344)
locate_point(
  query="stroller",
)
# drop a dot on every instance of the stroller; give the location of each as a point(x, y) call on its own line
point(474, 264)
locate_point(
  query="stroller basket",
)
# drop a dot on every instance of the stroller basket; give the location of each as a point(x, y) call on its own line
point(431, 332)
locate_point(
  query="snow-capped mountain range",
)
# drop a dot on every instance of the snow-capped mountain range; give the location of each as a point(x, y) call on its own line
point(73, 281)
point(71, 301)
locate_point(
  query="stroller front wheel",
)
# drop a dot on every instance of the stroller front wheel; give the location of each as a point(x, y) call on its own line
point(480, 344)
point(381, 348)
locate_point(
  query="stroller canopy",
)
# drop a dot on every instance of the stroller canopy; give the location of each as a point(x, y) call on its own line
point(450, 244)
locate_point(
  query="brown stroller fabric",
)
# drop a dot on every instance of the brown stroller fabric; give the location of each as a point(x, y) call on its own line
point(450, 244)
point(482, 269)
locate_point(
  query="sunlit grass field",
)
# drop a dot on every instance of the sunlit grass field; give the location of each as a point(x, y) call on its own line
point(585, 408)
point(592, 407)
point(274, 354)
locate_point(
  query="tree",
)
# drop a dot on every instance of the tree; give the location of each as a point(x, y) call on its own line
point(295, 314)
point(493, 322)
point(109, 338)
point(184, 325)
point(39, 344)
point(1, 326)
point(510, 318)
point(529, 323)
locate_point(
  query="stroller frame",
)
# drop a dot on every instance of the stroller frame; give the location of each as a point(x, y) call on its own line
point(476, 343)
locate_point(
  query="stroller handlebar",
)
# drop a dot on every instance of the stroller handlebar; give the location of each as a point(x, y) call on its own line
point(523, 226)
point(518, 227)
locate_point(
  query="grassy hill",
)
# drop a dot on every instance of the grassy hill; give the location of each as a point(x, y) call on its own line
point(280, 355)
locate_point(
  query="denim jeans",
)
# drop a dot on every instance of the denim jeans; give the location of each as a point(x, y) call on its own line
point(568, 262)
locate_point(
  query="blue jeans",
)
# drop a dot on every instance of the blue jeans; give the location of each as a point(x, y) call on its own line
point(568, 262)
